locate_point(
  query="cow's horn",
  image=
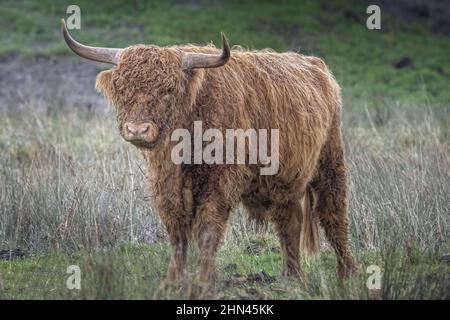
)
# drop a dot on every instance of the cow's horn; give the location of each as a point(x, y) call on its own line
point(194, 60)
point(107, 55)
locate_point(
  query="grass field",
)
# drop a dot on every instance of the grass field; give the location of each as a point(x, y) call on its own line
point(73, 193)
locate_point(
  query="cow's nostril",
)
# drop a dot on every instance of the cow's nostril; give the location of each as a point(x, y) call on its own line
point(130, 128)
point(144, 129)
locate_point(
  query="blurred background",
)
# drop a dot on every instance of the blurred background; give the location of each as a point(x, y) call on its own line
point(408, 59)
point(72, 192)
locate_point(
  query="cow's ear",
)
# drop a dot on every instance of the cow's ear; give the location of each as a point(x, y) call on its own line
point(103, 82)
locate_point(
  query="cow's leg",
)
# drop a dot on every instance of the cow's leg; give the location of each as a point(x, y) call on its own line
point(331, 187)
point(288, 226)
point(178, 235)
point(176, 214)
point(209, 228)
point(334, 221)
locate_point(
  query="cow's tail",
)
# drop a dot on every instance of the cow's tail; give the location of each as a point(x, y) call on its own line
point(309, 235)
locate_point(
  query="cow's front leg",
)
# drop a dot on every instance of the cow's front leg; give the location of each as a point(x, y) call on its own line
point(176, 271)
point(209, 228)
point(178, 234)
point(177, 217)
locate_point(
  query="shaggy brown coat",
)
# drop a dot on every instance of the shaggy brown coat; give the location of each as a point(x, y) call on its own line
point(262, 90)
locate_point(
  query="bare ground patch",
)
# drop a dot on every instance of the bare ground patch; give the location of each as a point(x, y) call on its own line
point(47, 82)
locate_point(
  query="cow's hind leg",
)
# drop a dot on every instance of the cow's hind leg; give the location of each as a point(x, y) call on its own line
point(330, 184)
point(288, 226)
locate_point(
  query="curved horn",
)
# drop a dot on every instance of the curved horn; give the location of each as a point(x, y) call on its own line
point(107, 55)
point(194, 60)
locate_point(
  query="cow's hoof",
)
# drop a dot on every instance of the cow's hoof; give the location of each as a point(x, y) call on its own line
point(293, 273)
point(202, 290)
point(346, 271)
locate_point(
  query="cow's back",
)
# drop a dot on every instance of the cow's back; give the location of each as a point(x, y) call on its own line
point(265, 90)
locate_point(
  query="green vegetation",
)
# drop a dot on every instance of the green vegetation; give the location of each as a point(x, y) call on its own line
point(72, 192)
point(361, 59)
point(132, 271)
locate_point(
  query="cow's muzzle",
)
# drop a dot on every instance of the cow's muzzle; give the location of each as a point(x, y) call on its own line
point(145, 133)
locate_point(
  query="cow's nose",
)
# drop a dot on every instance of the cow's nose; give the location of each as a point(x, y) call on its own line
point(137, 129)
point(139, 132)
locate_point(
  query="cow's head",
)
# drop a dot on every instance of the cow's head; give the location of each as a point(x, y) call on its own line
point(148, 85)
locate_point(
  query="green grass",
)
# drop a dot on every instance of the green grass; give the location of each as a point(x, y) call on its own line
point(134, 271)
point(361, 59)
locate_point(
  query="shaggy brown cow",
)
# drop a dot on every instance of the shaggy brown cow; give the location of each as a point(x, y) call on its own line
point(158, 89)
